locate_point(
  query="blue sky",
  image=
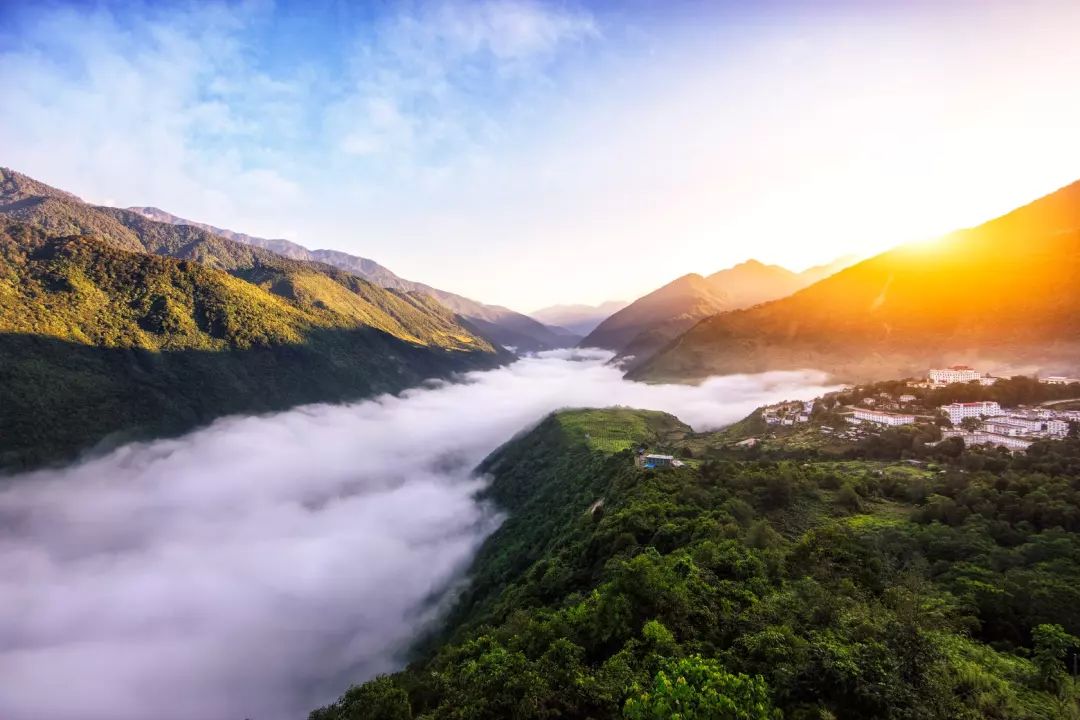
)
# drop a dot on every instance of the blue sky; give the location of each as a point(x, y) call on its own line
point(528, 153)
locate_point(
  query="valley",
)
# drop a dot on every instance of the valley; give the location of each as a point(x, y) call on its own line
point(539, 360)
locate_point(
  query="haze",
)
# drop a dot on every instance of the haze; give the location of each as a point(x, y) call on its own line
point(489, 148)
point(257, 567)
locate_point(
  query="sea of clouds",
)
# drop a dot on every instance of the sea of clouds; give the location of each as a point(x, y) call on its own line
point(253, 568)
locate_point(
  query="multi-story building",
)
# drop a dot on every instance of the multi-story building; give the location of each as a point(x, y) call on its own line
point(1057, 428)
point(1007, 426)
point(906, 398)
point(954, 374)
point(1058, 380)
point(959, 411)
point(882, 418)
point(982, 437)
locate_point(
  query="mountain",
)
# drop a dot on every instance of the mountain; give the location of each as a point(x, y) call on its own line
point(1002, 296)
point(115, 327)
point(753, 587)
point(578, 319)
point(499, 324)
point(652, 321)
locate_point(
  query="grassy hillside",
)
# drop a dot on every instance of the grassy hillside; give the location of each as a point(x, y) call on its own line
point(742, 588)
point(98, 344)
point(1001, 296)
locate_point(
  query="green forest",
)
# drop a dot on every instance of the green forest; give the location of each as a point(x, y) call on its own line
point(100, 345)
point(854, 587)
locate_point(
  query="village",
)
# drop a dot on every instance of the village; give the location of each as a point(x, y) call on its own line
point(983, 422)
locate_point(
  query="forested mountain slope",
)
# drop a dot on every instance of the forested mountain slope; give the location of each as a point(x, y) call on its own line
point(99, 343)
point(734, 587)
point(500, 324)
point(1002, 296)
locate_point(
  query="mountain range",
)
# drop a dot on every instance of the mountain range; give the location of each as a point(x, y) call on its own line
point(650, 322)
point(499, 324)
point(578, 319)
point(1001, 296)
point(115, 327)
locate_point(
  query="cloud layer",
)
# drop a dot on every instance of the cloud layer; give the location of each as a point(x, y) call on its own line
point(254, 568)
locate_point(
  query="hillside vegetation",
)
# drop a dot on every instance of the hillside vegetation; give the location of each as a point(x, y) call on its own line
point(501, 325)
point(103, 344)
point(753, 589)
point(1002, 296)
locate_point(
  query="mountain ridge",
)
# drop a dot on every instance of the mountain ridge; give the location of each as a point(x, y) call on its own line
point(578, 318)
point(653, 320)
point(502, 325)
point(1001, 295)
point(113, 325)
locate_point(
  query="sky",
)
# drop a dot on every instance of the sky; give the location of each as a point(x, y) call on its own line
point(256, 567)
point(528, 153)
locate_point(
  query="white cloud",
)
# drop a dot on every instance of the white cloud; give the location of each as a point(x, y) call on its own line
point(427, 77)
point(256, 567)
point(149, 107)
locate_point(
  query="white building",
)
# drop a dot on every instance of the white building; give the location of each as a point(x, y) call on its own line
point(1058, 380)
point(1025, 423)
point(652, 461)
point(954, 374)
point(1006, 426)
point(981, 437)
point(1057, 428)
point(959, 411)
point(883, 418)
point(907, 398)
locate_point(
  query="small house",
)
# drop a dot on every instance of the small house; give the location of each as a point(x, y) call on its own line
point(655, 461)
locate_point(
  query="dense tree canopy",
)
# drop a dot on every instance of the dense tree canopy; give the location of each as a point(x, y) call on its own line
point(734, 588)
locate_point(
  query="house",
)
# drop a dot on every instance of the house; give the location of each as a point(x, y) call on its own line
point(883, 418)
point(655, 461)
point(959, 411)
point(907, 398)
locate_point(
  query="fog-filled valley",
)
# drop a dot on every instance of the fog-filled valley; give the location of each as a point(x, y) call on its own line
point(256, 567)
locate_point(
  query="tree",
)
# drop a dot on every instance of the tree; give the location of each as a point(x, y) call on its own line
point(1051, 645)
point(697, 688)
point(970, 423)
point(380, 698)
